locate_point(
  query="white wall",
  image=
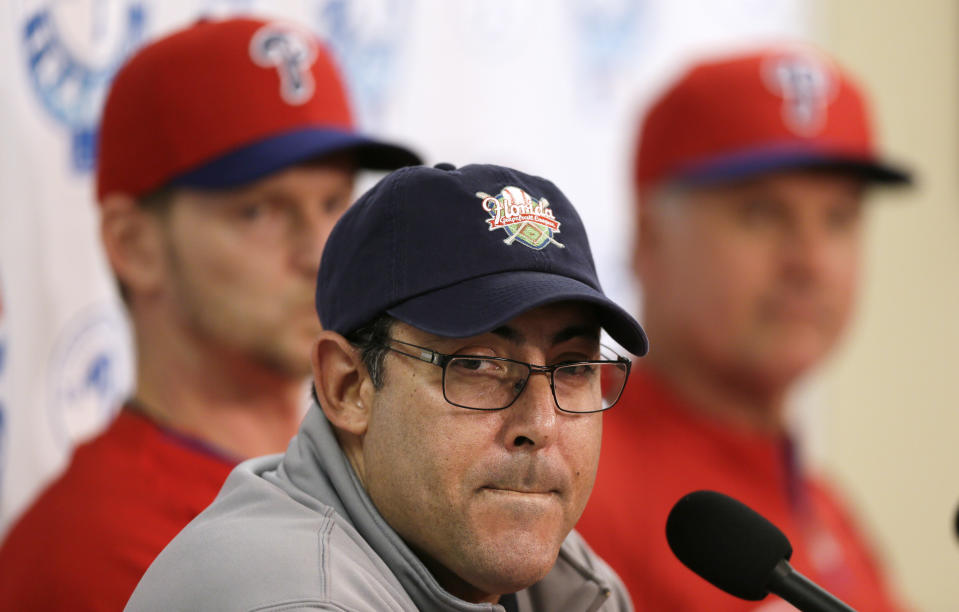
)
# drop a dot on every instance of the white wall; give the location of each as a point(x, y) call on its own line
point(892, 424)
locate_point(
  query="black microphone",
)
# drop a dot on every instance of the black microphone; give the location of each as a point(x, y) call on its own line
point(956, 525)
point(736, 549)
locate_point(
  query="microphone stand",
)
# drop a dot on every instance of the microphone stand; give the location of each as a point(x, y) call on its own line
point(802, 592)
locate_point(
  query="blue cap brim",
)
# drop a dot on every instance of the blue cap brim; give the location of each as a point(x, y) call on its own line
point(267, 156)
point(755, 162)
point(482, 304)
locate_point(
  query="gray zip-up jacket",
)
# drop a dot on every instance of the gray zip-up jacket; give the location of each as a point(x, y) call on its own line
point(298, 532)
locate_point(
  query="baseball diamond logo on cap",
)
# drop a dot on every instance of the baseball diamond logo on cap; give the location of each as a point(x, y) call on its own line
point(292, 53)
point(807, 88)
point(522, 217)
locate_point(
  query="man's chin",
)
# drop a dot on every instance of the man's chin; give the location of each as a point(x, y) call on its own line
point(482, 569)
point(291, 360)
point(519, 557)
point(511, 572)
point(778, 372)
point(789, 356)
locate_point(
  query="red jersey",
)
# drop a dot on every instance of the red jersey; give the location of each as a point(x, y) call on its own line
point(87, 540)
point(655, 450)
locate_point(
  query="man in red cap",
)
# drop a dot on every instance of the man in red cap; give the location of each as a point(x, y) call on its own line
point(227, 153)
point(751, 174)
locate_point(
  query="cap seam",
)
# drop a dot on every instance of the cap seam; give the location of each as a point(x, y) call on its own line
point(498, 272)
point(395, 265)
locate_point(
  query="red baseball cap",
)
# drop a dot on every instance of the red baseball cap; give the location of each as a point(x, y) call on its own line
point(223, 103)
point(779, 108)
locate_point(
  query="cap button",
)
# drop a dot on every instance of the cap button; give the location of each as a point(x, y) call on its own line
point(445, 166)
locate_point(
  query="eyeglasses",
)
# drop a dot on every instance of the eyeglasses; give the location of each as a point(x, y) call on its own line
point(493, 383)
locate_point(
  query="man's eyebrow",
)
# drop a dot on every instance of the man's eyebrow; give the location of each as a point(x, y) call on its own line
point(514, 336)
point(590, 332)
point(508, 333)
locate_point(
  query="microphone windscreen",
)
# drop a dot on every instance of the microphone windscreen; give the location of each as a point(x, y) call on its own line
point(726, 542)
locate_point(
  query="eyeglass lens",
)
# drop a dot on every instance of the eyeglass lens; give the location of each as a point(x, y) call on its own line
point(490, 384)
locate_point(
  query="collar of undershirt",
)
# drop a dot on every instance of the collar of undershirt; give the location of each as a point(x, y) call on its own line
point(135, 407)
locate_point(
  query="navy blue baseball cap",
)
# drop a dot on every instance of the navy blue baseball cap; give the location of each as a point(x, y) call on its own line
point(460, 252)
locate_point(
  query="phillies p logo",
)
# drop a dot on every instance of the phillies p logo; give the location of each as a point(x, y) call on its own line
point(292, 53)
point(807, 88)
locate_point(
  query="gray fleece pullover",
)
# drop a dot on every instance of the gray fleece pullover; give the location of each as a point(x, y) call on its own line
point(298, 532)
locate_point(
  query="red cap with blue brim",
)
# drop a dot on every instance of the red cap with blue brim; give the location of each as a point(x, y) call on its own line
point(777, 109)
point(223, 103)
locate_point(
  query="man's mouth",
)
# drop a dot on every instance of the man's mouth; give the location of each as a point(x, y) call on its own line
point(519, 490)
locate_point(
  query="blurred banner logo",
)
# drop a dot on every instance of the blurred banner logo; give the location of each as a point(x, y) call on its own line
point(608, 36)
point(367, 37)
point(89, 375)
point(72, 50)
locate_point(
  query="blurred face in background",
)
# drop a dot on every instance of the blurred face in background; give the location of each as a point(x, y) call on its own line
point(242, 263)
point(754, 280)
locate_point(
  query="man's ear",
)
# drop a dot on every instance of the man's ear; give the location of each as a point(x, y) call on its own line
point(645, 236)
point(342, 383)
point(648, 232)
point(133, 241)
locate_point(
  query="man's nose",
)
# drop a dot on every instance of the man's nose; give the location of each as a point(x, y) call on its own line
point(310, 237)
point(806, 252)
point(533, 418)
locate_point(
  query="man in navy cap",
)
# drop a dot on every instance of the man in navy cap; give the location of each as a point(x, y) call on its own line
point(227, 153)
point(460, 384)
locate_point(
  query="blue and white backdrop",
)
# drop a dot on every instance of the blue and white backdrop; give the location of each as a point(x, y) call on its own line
point(550, 86)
